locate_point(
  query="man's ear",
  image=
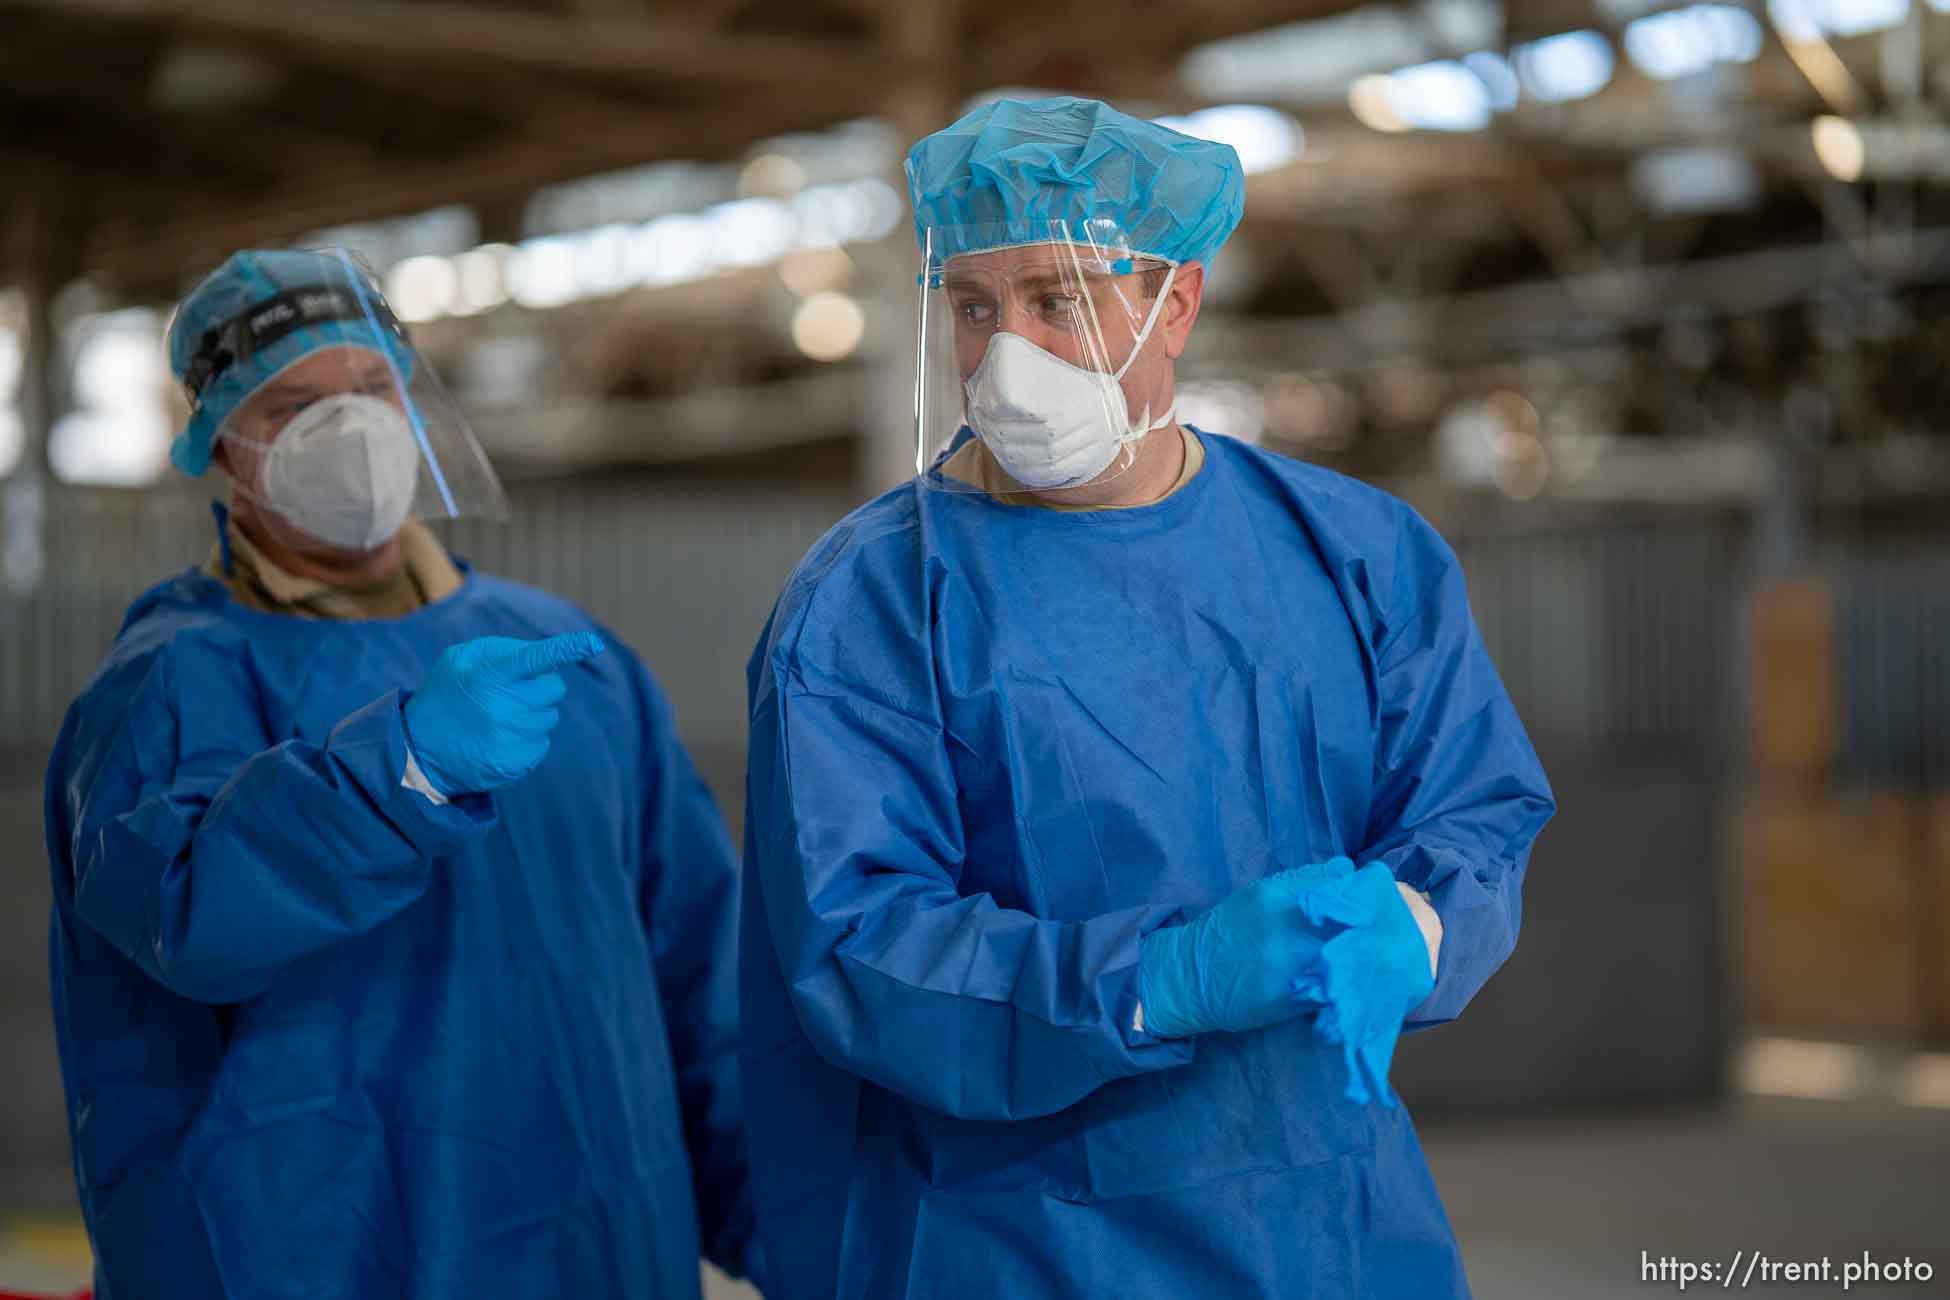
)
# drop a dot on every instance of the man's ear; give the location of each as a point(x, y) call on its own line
point(1181, 307)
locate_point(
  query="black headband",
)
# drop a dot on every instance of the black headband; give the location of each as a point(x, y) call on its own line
point(264, 323)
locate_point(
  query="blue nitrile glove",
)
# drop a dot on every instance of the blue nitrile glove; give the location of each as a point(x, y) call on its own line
point(1367, 978)
point(1234, 966)
point(482, 717)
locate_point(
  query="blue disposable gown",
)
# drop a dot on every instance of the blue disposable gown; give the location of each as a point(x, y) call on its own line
point(323, 1038)
point(992, 747)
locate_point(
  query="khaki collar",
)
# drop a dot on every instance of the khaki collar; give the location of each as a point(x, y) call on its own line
point(425, 575)
point(974, 465)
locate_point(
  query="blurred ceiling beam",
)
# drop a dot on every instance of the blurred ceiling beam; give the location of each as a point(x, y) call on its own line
point(811, 407)
point(119, 138)
point(453, 90)
point(142, 256)
point(1545, 314)
point(1166, 32)
point(425, 34)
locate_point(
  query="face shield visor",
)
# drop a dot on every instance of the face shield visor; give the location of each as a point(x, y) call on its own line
point(330, 423)
point(1030, 372)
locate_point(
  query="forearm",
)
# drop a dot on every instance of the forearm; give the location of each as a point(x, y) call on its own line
point(301, 846)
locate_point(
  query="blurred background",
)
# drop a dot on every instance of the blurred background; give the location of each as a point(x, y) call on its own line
point(1643, 304)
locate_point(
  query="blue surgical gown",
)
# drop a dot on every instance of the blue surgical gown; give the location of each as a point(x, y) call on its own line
point(992, 747)
point(321, 1037)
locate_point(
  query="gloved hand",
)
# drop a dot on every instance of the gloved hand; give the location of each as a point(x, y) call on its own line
point(1368, 977)
point(1234, 966)
point(482, 717)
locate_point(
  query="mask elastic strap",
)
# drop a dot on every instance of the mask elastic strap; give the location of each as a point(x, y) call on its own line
point(222, 512)
point(1144, 425)
point(1144, 335)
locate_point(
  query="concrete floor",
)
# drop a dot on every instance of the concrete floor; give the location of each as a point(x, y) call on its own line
point(1565, 1207)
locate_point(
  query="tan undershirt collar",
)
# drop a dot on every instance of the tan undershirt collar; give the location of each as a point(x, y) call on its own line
point(976, 466)
point(424, 575)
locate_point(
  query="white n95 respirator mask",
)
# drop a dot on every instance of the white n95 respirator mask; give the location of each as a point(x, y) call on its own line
point(1050, 423)
point(344, 471)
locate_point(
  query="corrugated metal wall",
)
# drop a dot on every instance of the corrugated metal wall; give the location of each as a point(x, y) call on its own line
point(1613, 634)
point(685, 574)
point(1894, 610)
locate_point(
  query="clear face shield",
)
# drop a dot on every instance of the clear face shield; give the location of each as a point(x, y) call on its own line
point(330, 424)
point(1031, 374)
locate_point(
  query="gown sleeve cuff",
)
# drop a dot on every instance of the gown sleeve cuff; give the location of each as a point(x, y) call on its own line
point(415, 779)
point(371, 745)
point(1129, 1002)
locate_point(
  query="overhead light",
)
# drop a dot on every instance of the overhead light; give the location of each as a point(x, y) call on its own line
point(821, 216)
point(1860, 17)
point(1795, 20)
point(1264, 138)
point(1570, 66)
point(815, 270)
point(1811, 19)
point(1682, 42)
point(671, 250)
point(479, 282)
point(828, 326)
point(1840, 148)
point(1312, 62)
point(1684, 182)
point(541, 272)
point(752, 232)
point(886, 207)
point(421, 288)
point(1494, 71)
point(1440, 96)
point(603, 263)
point(1369, 100)
point(772, 176)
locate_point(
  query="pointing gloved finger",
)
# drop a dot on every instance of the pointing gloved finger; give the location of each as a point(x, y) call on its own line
point(538, 657)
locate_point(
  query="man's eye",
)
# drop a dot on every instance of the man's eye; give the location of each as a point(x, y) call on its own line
point(977, 313)
point(1059, 304)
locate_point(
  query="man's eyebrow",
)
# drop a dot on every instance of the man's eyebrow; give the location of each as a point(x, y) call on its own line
point(1027, 282)
point(284, 390)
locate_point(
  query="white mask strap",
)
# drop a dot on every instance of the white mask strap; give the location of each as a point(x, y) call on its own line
point(1144, 334)
point(1144, 423)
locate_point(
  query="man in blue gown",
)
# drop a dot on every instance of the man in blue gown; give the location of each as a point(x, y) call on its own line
point(393, 930)
point(1060, 978)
